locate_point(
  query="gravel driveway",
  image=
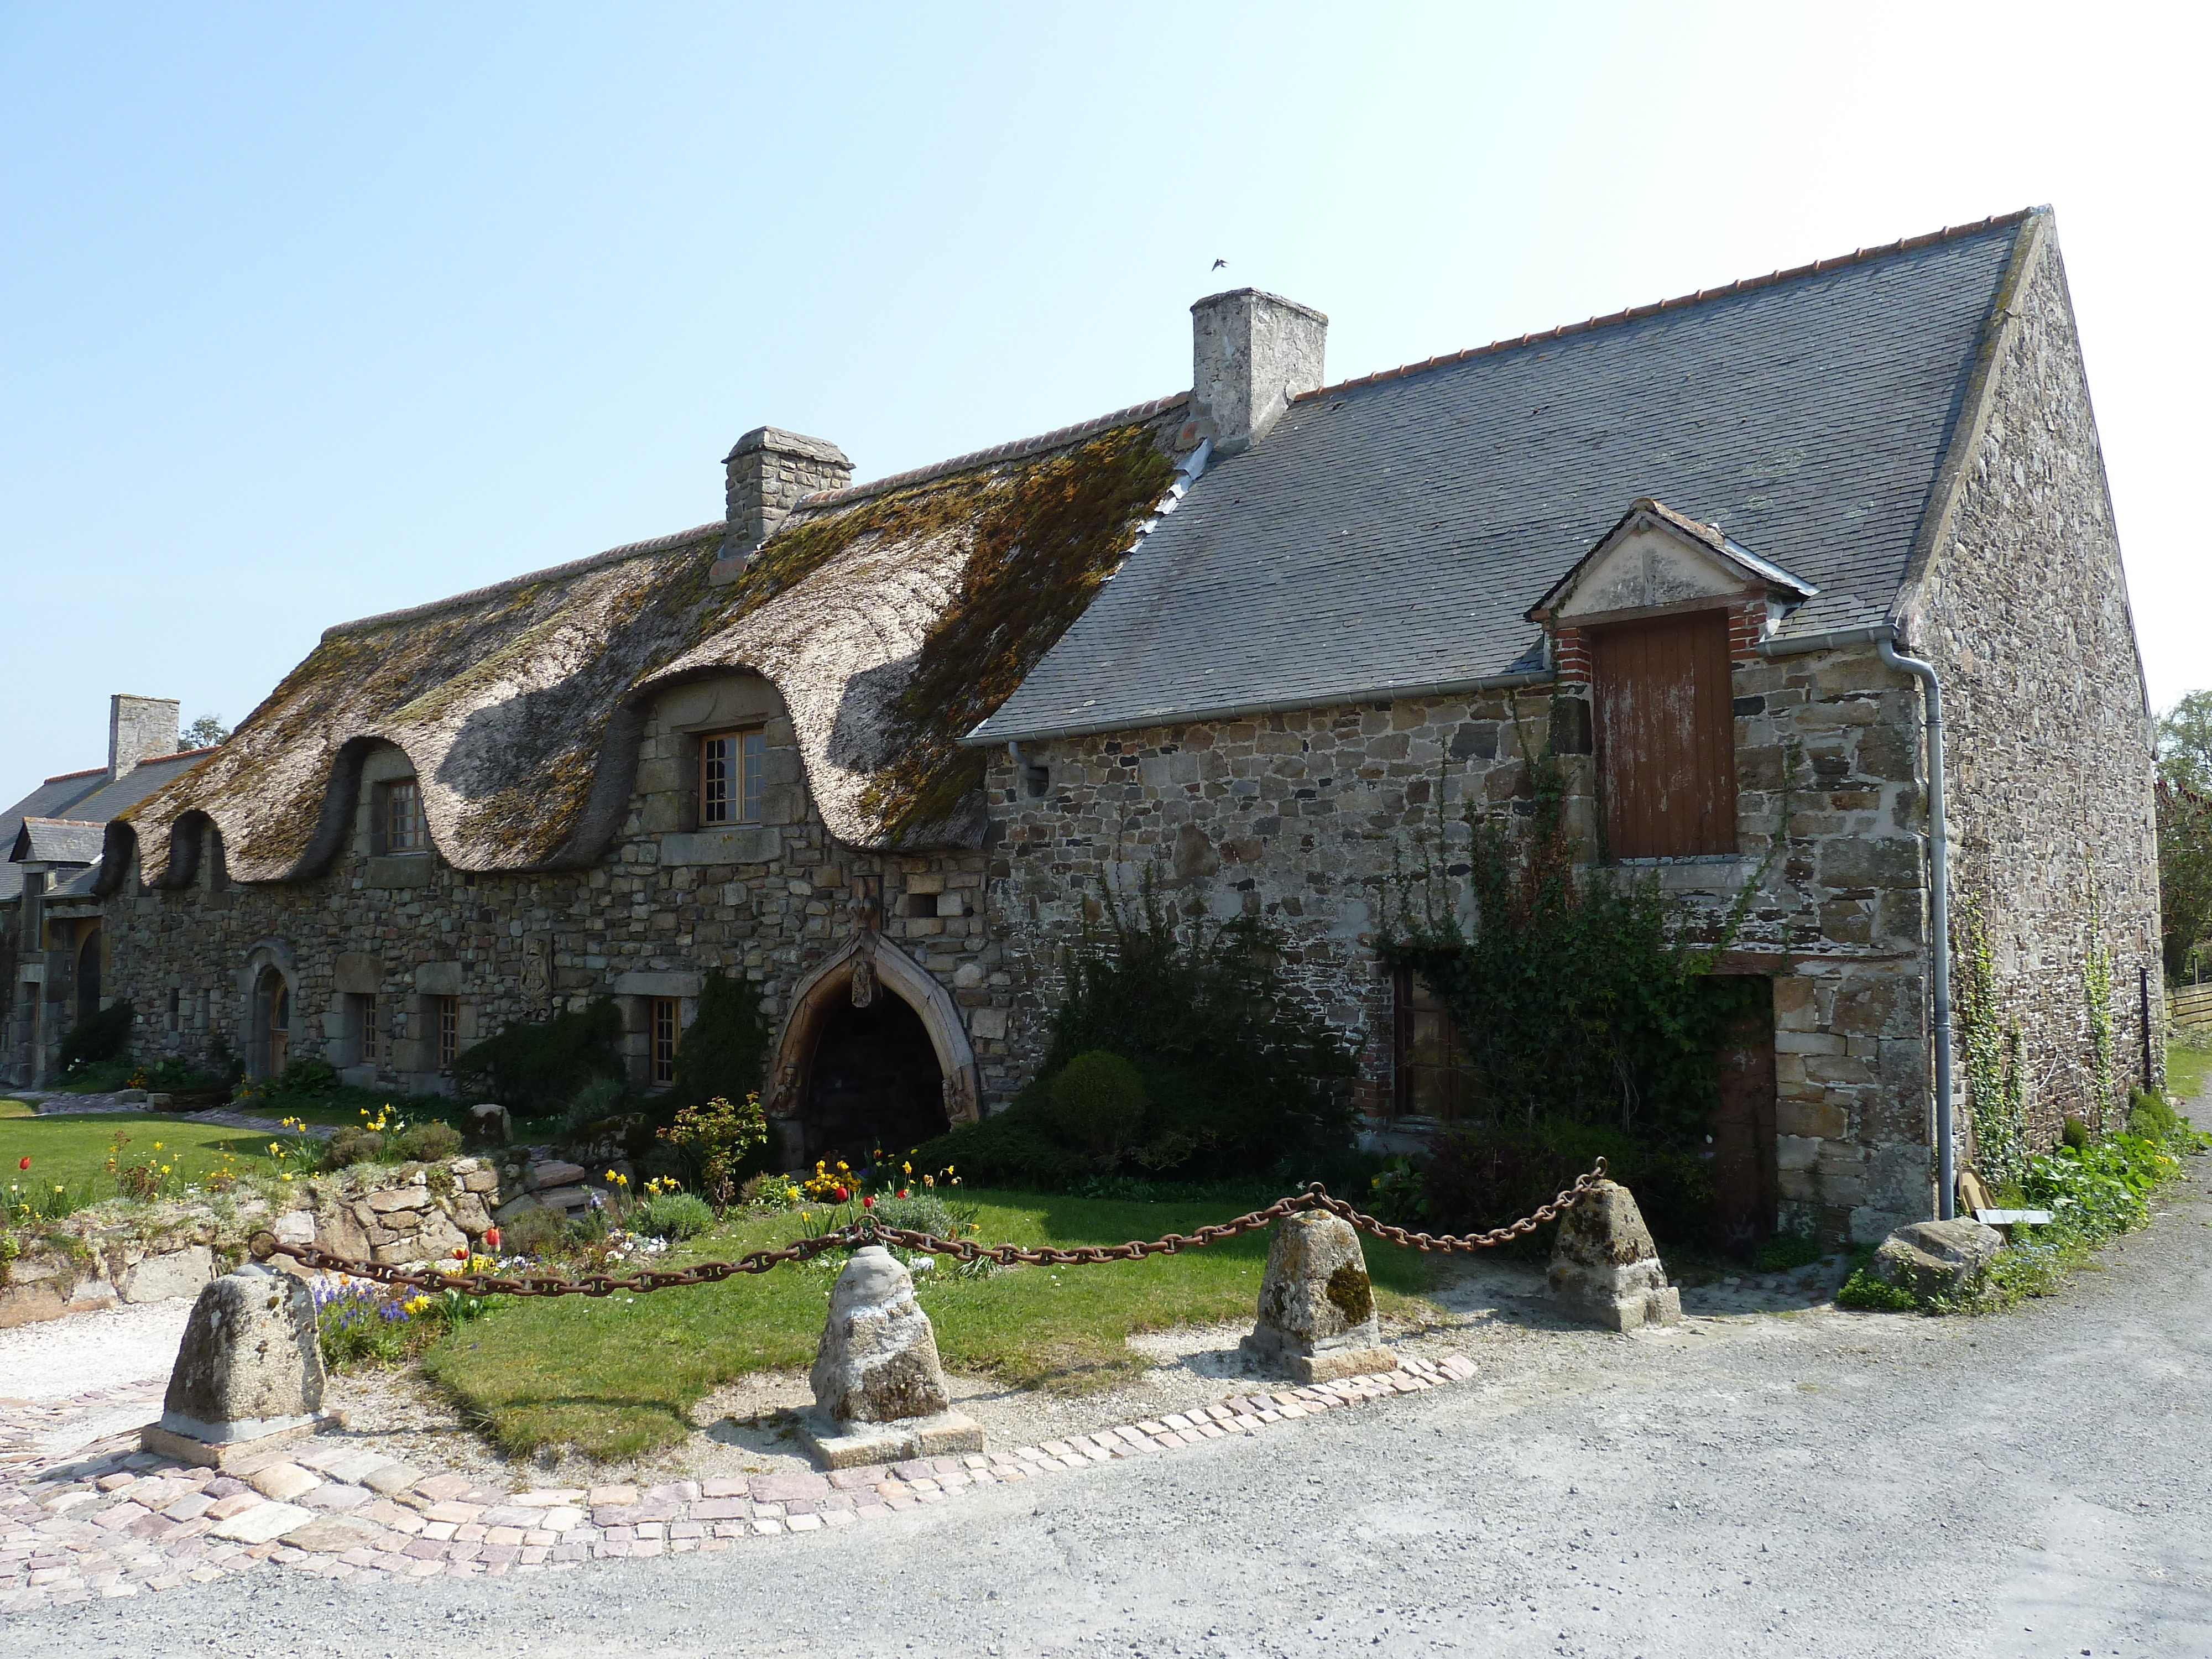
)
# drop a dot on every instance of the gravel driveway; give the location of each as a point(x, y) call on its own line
point(1830, 1483)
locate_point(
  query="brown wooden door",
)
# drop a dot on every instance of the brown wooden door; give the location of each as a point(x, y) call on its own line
point(1667, 736)
point(1746, 1187)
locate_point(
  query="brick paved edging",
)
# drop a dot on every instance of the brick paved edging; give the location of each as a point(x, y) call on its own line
point(114, 1521)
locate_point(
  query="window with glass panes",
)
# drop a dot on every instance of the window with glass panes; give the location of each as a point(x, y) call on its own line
point(448, 1010)
point(402, 818)
point(733, 769)
point(1433, 1077)
point(663, 1034)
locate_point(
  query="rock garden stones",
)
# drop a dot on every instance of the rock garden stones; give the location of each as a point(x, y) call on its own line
point(489, 1124)
point(879, 1393)
point(1931, 1259)
point(249, 1375)
point(1605, 1268)
point(1316, 1305)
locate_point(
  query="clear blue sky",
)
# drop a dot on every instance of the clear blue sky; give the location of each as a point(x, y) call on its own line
point(310, 311)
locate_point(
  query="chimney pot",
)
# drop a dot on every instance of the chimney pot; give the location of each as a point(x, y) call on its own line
point(138, 729)
point(769, 470)
point(1251, 353)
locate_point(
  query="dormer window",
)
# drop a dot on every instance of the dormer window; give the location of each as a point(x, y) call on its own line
point(732, 772)
point(400, 818)
point(1665, 736)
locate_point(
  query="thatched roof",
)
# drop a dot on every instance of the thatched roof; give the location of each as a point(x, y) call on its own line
point(890, 617)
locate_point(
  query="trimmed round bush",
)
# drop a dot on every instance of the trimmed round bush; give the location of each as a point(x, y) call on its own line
point(430, 1143)
point(1097, 1103)
point(672, 1215)
point(350, 1146)
point(537, 1231)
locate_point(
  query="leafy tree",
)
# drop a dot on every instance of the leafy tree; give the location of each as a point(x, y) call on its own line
point(2184, 871)
point(103, 1036)
point(205, 732)
point(2185, 742)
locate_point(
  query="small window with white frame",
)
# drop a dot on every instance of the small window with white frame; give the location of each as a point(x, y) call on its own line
point(400, 826)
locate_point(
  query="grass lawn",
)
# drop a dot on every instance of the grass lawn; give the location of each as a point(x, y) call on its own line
point(618, 1377)
point(73, 1152)
point(2187, 1070)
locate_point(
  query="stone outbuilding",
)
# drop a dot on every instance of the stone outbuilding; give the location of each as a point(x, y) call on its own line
point(876, 746)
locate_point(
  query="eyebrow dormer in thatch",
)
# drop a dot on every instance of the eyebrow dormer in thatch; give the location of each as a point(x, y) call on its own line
point(889, 618)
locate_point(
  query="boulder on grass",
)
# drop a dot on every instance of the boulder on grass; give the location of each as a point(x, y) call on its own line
point(1316, 1304)
point(1606, 1269)
point(1932, 1258)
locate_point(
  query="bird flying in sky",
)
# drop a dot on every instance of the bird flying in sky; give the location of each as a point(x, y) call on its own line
point(1220, 264)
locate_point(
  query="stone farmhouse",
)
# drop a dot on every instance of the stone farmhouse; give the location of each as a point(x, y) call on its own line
point(52, 949)
point(879, 746)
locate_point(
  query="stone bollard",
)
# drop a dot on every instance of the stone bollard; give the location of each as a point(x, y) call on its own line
point(489, 1124)
point(1937, 1258)
point(879, 1393)
point(1316, 1307)
point(249, 1375)
point(1606, 1269)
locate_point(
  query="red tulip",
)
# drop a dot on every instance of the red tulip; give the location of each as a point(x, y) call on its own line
point(840, 1194)
point(460, 1253)
point(869, 1202)
point(491, 1236)
point(901, 1191)
point(25, 1164)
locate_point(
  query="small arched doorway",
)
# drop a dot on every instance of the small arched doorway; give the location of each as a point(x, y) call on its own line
point(874, 1083)
point(272, 1023)
point(873, 1054)
point(87, 974)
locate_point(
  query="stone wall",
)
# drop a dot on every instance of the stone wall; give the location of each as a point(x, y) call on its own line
point(2025, 614)
point(1301, 817)
point(127, 1253)
point(671, 903)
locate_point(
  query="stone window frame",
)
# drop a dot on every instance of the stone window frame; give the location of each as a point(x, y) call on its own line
point(742, 800)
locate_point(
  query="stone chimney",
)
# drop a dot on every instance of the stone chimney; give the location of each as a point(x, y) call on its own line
point(138, 729)
point(1251, 353)
point(769, 470)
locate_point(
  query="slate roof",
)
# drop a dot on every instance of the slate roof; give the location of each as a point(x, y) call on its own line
point(520, 704)
point(1389, 534)
point(87, 797)
point(57, 840)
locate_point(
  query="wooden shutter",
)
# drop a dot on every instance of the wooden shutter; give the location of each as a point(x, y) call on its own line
point(1667, 736)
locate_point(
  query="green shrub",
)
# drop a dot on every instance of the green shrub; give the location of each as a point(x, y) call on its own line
point(1097, 1104)
point(2075, 1135)
point(430, 1143)
point(602, 1098)
point(722, 1051)
point(920, 1213)
point(535, 1069)
point(1868, 1294)
point(307, 1077)
point(350, 1146)
point(672, 1215)
point(1017, 1147)
point(537, 1232)
point(2149, 1118)
point(103, 1036)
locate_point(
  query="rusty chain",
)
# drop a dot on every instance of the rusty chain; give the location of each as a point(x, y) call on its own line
point(869, 1231)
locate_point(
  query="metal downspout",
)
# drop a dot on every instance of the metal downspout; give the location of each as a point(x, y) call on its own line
point(1939, 919)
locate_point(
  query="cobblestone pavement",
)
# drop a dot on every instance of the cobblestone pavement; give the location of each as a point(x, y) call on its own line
point(105, 1519)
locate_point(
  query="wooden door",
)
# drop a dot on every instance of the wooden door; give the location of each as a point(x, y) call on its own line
point(1666, 733)
point(1746, 1186)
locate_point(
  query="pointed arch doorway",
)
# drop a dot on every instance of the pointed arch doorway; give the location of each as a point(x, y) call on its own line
point(872, 1053)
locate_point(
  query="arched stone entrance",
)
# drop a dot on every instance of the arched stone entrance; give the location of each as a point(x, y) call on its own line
point(88, 973)
point(268, 982)
point(887, 1063)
